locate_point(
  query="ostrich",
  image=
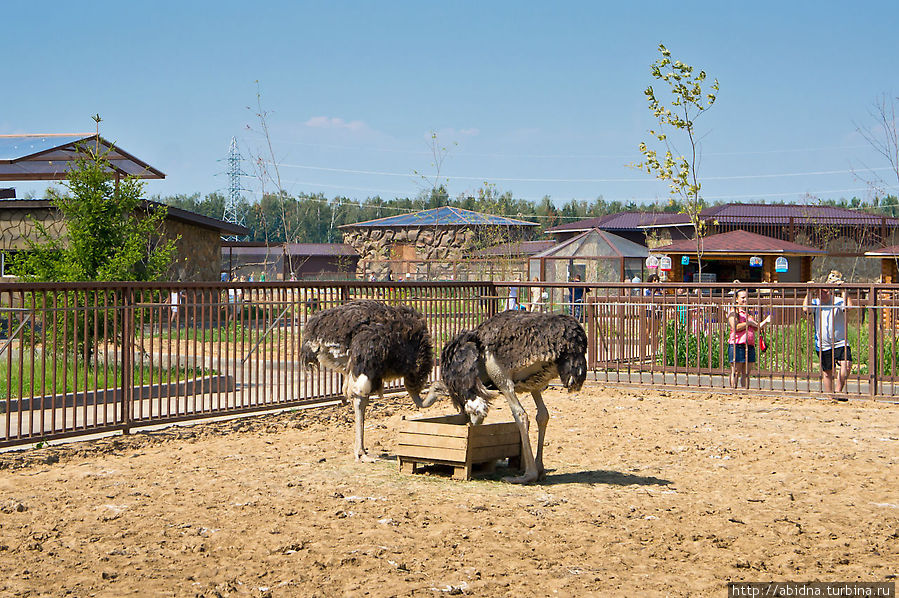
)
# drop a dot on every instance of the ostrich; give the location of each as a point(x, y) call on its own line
point(513, 351)
point(369, 343)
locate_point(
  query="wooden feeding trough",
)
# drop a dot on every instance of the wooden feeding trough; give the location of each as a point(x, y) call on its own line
point(449, 440)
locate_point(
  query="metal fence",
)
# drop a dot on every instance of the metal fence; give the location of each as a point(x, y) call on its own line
point(678, 335)
point(85, 358)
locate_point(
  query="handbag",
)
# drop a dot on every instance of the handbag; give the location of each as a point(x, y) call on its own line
point(763, 346)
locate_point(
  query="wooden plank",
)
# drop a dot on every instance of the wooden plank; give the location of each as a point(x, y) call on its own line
point(407, 466)
point(448, 442)
point(495, 439)
point(494, 452)
point(490, 429)
point(434, 429)
point(426, 452)
point(462, 472)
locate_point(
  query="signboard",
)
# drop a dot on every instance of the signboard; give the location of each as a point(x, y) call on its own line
point(652, 262)
point(685, 260)
point(665, 264)
point(781, 264)
point(755, 262)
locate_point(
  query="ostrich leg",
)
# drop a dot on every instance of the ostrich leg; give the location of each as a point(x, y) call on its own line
point(521, 418)
point(359, 405)
point(542, 418)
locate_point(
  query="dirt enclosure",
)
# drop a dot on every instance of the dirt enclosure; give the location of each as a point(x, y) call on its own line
point(648, 493)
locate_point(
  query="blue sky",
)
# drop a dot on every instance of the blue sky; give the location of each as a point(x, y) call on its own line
point(536, 98)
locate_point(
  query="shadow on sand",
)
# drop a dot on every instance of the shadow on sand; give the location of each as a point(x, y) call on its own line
point(602, 476)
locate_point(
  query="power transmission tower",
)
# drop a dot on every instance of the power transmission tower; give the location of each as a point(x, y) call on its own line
point(232, 201)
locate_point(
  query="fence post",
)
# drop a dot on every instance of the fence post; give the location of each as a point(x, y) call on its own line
point(127, 357)
point(873, 344)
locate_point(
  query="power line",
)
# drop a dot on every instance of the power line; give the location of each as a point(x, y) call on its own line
point(561, 180)
point(636, 153)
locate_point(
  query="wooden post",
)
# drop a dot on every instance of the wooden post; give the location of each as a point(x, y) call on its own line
point(873, 326)
point(768, 272)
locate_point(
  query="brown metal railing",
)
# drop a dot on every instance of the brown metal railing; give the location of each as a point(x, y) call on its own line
point(677, 335)
point(81, 358)
point(86, 358)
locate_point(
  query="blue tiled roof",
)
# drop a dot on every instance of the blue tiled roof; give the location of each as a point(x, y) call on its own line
point(14, 147)
point(445, 216)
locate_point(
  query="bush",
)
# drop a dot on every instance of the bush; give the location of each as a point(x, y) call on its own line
point(686, 349)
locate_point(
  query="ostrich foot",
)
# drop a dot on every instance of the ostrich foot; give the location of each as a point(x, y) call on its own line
point(526, 478)
point(365, 458)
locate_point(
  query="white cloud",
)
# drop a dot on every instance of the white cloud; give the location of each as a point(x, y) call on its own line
point(327, 122)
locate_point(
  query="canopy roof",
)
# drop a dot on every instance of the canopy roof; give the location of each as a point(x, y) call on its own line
point(49, 157)
point(739, 242)
point(595, 243)
point(892, 251)
point(445, 216)
point(737, 214)
point(622, 221)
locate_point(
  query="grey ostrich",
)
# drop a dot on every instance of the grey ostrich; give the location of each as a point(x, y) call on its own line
point(370, 343)
point(514, 351)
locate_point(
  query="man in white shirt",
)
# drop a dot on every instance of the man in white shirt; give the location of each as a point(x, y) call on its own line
point(830, 333)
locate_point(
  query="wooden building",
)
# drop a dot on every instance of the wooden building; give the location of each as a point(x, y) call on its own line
point(726, 257)
point(50, 157)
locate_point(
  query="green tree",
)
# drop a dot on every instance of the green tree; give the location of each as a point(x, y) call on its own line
point(686, 101)
point(111, 234)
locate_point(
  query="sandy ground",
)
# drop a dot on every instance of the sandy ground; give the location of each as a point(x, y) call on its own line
point(648, 493)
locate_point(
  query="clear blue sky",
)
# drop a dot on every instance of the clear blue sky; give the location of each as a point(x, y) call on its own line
point(541, 98)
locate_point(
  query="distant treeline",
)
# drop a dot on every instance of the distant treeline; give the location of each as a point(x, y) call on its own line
point(313, 218)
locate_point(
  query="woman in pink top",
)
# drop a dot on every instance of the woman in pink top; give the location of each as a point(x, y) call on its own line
point(741, 344)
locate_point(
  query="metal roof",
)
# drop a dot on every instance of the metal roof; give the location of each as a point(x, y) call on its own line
point(624, 221)
point(739, 242)
point(292, 249)
point(445, 216)
point(173, 213)
point(595, 243)
point(782, 213)
point(892, 251)
point(49, 157)
point(517, 248)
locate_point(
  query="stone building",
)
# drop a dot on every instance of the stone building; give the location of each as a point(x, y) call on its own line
point(198, 246)
point(435, 244)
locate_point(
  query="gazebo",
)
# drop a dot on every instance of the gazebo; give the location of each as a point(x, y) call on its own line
point(726, 257)
point(596, 255)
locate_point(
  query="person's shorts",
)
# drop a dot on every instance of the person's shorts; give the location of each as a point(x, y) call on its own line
point(738, 353)
point(838, 354)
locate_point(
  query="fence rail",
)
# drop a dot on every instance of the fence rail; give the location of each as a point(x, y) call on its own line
point(82, 358)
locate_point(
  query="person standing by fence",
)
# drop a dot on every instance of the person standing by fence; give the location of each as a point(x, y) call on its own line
point(537, 303)
point(830, 333)
point(741, 343)
point(576, 299)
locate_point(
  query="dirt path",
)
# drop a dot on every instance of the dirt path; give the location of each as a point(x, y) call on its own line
point(655, 493)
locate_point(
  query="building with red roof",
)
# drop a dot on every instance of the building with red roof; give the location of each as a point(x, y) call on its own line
point(726, 257)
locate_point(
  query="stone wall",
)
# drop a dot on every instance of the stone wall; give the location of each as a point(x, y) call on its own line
point(198, 255)
point(16, 226)
point(431, 246)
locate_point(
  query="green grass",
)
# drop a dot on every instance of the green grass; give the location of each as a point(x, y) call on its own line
point(36, 380)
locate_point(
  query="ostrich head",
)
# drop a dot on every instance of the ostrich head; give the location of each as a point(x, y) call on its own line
point(460, 378)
